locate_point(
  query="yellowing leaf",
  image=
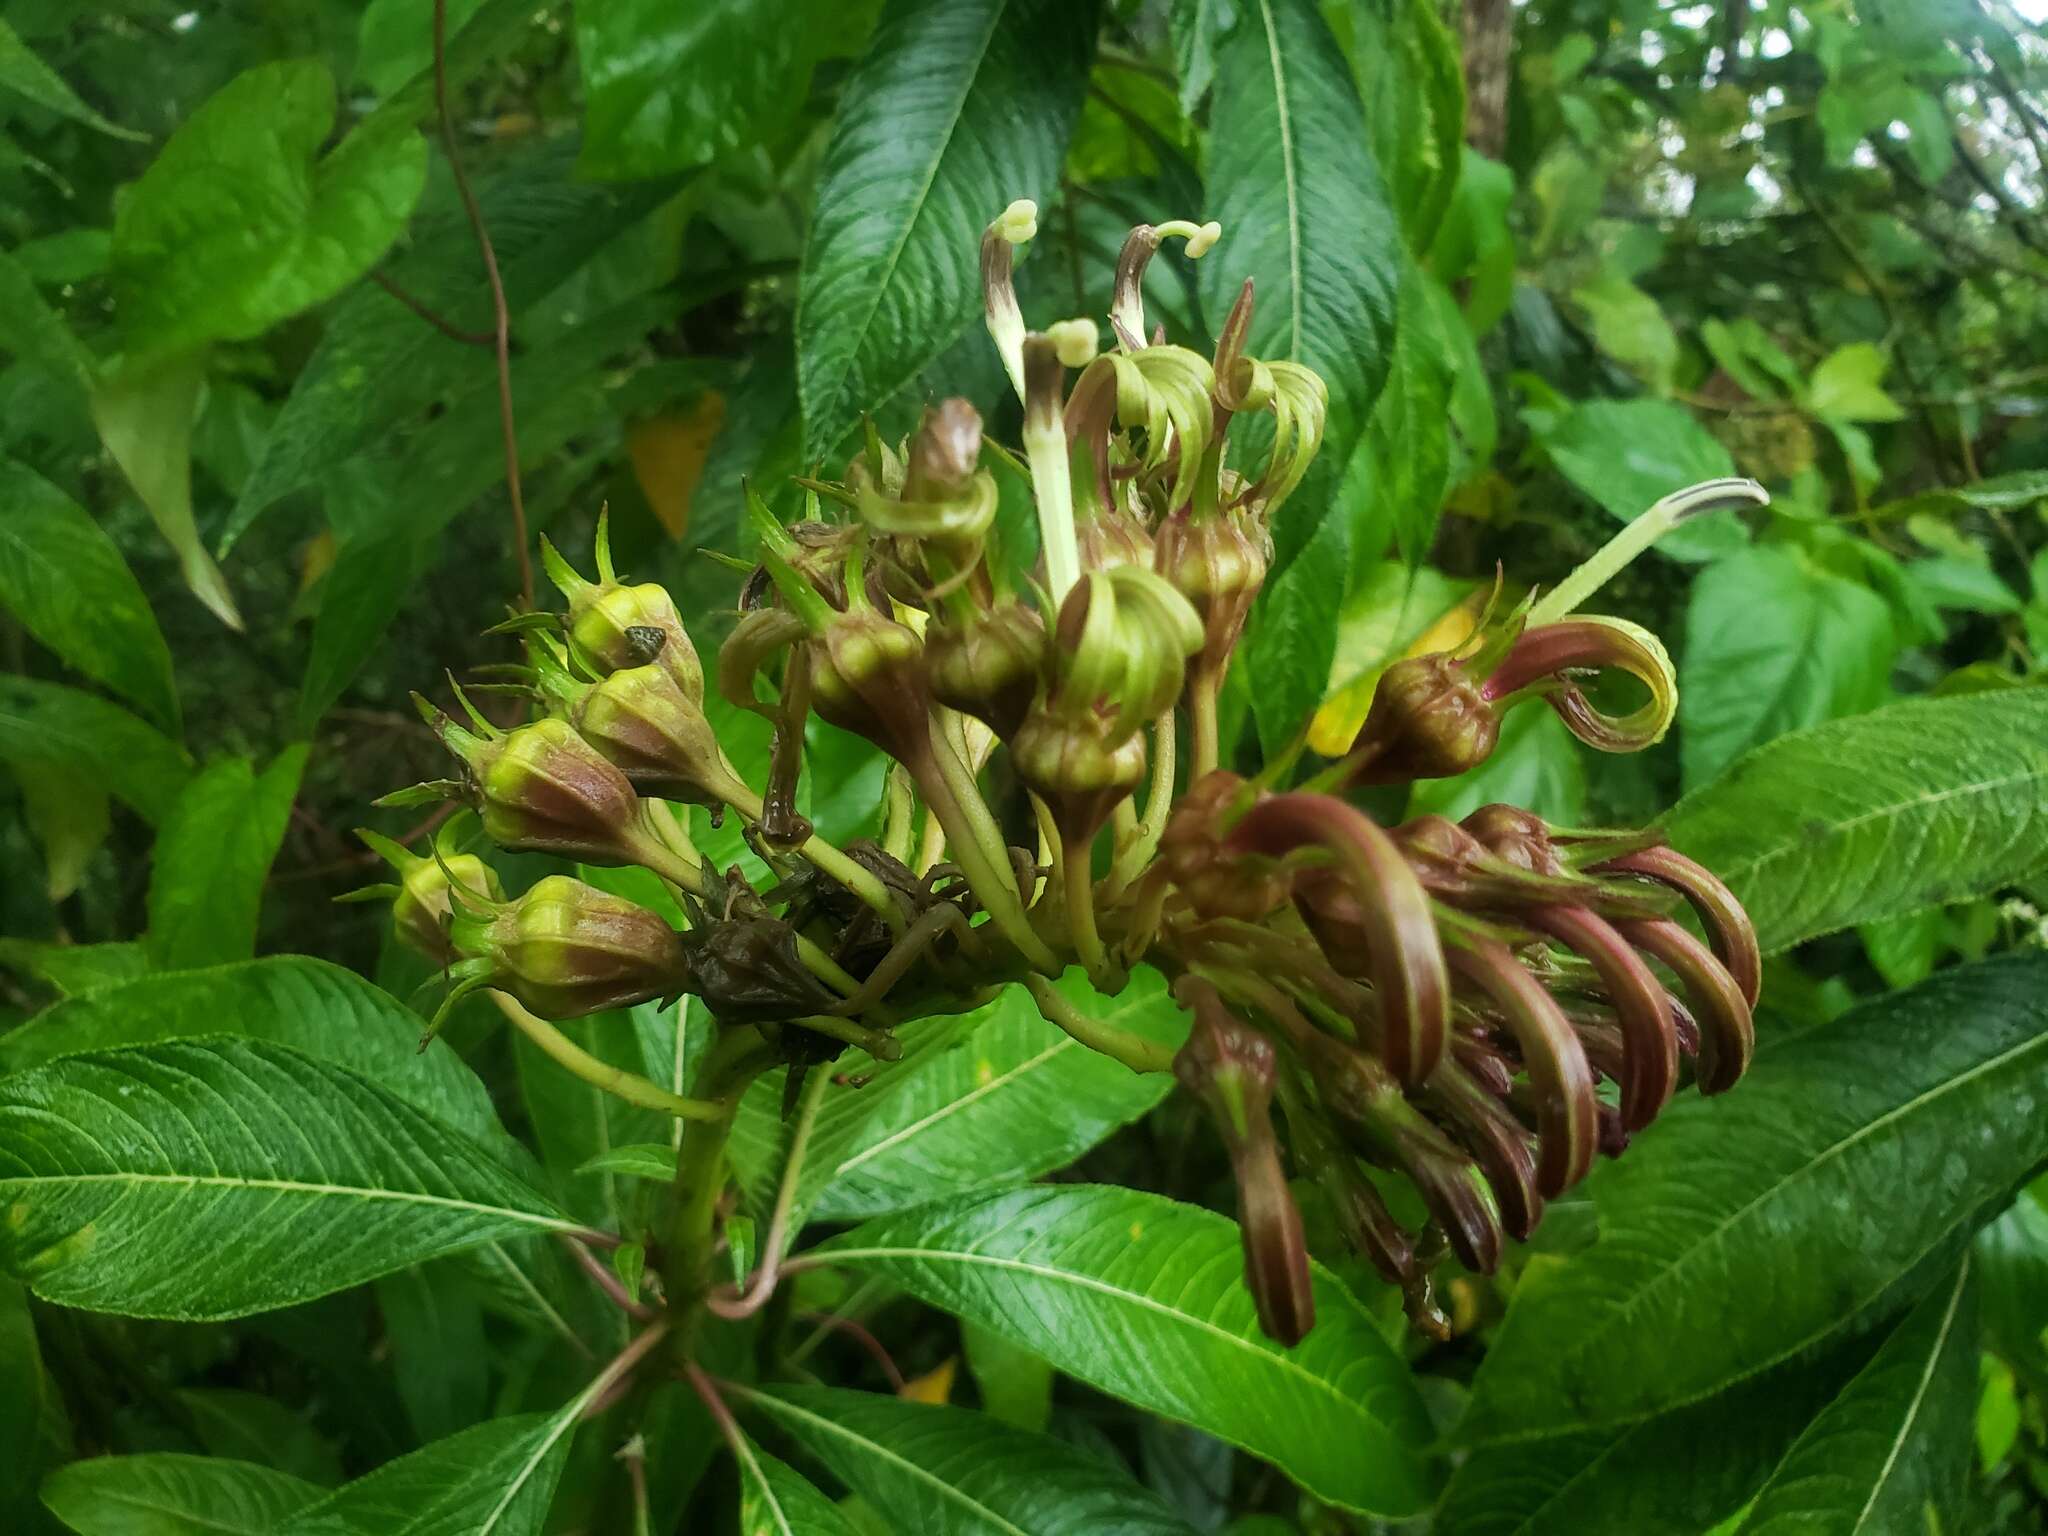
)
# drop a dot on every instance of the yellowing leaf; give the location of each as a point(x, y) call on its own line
point(1342, 713)
point(935, 1386)
point(668, 456)
point(144, 413)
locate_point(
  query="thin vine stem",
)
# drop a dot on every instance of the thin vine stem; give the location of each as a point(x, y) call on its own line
point(501, 318)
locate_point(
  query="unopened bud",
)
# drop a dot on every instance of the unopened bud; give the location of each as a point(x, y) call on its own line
point(1218, 563)
point(989, 665)
point(424, 897)
point(1428, 720)
point(656, 735)
point(544, 789)
point(566, 949)
point(615, 627)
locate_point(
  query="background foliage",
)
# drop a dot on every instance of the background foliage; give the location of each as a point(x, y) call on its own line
point(1553, 259)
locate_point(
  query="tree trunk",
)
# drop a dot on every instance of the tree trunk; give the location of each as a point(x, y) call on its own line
point(1489, 33)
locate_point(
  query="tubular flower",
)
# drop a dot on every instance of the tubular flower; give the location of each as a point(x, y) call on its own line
point(1440, 1024)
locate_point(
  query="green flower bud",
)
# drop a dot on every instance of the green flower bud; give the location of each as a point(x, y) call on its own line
point(566, 949)
point(424, 898)
point(615, 626)
point(1076, 769)
point(989, 665)
point(654, 733)
point(544, 789)
point(1214, 884)
point(868, 677)
point(1218, 563)
point(946, 497)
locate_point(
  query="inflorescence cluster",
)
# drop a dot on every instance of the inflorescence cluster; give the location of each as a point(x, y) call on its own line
point(1440, 1000)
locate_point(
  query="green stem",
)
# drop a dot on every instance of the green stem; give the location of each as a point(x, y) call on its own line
point(762, 1284)
point(1204, 751)
point(1131, 861)
point(733, 1062)
point(829, 860)
point(1111, 1040)
point(1608, 561)
point(601, 1075)
point(1080, 894)
point(968, 835)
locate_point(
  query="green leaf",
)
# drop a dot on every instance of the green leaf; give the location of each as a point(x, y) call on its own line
point(665, 89)
point(643, 1160)
point(1846, 386)
point(576, 1123)
point(200, 1180)
point(212, 859)
point(1627, 454)
point(1892, 1452)
point(168, 1495)
point(1011, 1098)
point(776, 1500)
point(1671, 1475)
point(1305, 214)
point(34, 331)
point(1016, 1385)
point(958, 108)
point(1403, 467)
point(47, 723)
point(1145, 1299)
point(290, 1000)
point(2011, 1257)
point(497, 1479)
point(360, 597)
point(1774, 643)
point(23, 1389)
point(1943, 803)
point(144, 413)
point(1629, 327)
point(22, 73)
point(1193, 25)
point(69, 818)
point(66, 582)
point(394, 41)
point(248, 1426)
point(946, 1470)
point(72, 968)
point(379, 367)
point(1408, 74)
point(1851, 1154)
point(236, 226)
point(438, 1350)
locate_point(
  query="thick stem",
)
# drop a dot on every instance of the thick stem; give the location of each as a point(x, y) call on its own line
point(1078, 863)
point(1131, 861)
point(601, 1075)
point(732, 1063)
point(1111, 1040)
point(993, 883)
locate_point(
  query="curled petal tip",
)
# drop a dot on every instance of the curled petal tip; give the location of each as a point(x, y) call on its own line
point(1018, 222)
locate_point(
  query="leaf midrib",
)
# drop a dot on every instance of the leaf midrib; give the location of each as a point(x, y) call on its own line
point(1738, 871)
point(882, 1452)
point(1919, 1395)
point(880, 286)
point(1284, 113)
point(293, 1186)
point(1619, 1317)
point(1089, 1282)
